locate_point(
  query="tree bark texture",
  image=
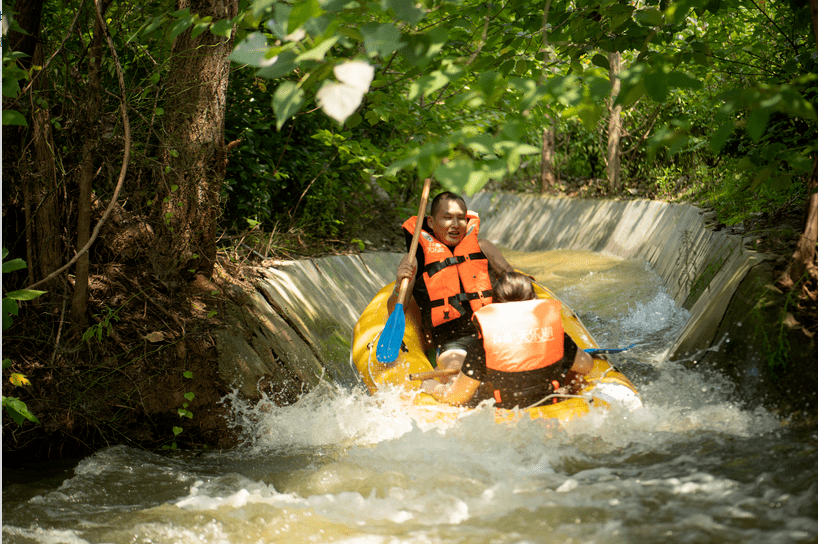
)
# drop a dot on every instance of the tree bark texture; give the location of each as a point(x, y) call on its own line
point(93, 105)
point(547, 176)
point(35, 151)
point(194, 149)
point(614, 165)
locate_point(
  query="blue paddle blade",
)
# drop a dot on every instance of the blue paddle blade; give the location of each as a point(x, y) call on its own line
point(391, 336)
point(600, 351)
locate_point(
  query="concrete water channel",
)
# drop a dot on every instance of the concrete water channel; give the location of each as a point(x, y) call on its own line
point(297, 326)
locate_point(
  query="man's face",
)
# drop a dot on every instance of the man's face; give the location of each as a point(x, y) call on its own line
point(449, 223)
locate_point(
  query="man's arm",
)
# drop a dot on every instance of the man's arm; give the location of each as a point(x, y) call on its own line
point(406, 269)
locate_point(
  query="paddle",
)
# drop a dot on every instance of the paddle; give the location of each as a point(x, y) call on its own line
point(392, 333)
point(600, 351)
point(439, 373)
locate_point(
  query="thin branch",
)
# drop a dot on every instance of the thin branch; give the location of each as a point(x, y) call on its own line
point(792, 43)
point(54, 54)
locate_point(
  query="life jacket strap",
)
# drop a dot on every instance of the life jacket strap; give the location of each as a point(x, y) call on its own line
point(436, 267)
point(457, 301)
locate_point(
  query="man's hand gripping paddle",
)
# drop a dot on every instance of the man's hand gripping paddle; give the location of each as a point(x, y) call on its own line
point(392, 334)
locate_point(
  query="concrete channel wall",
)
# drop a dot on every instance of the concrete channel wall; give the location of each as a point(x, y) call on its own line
point(296, 328)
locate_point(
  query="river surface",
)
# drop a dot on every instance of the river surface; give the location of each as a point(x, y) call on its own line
point(695, 464)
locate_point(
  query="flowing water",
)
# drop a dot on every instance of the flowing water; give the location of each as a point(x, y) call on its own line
point(696, 464)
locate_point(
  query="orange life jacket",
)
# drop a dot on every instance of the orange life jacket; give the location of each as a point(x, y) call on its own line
point(521, 336)
point(453, 277)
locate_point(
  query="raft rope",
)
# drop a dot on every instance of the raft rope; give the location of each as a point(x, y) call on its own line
point(588, 398)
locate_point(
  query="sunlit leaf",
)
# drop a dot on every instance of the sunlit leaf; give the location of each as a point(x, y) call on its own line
point(318, 52)
point(340, 100)
point(25, 294)
point(302, 12)
point(18, 379)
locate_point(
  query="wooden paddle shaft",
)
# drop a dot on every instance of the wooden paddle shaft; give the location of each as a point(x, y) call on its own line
point(427, 184)
point(439, 373)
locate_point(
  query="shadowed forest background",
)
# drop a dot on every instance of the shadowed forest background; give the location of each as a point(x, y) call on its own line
point(153, 150)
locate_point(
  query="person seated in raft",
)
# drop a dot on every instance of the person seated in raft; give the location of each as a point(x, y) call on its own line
point(449, 277)
point(523, 352)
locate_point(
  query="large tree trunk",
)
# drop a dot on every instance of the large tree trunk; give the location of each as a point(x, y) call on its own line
point(614, 166)
point(37, 166)
point(93, 104)
point(194, 150)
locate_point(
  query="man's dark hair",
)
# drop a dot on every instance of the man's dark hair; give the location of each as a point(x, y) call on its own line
point(444, 197)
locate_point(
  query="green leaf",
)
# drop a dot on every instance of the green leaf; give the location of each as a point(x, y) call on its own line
point(656, 85)
point(180, 26)
point(421, 48)
point(302, 12)
point(287, 100)
point(757, 122)
point(14, 264)
point(222, 28)
point(11, 85)
point(719, 138)
point(381, 39)
point(649, 17)
point(18, 410)
point(25, 294)
point(318, 52)
point(177, 431)
point(405, 10)
point(188, 374)
point(460, 176)
point(14, 117)
point(252, 51)
point(189, 395)
point(680, 80)
point(601, 61)
point(279, 66)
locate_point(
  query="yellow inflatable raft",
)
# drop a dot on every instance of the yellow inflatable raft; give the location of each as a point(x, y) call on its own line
point(601, 387)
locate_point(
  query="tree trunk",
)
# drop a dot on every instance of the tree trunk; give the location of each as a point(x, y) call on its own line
point(803, 260)
point(44, 246)
point(93, 104)
point(614, 166)
point(194, 151)
point(547, 177)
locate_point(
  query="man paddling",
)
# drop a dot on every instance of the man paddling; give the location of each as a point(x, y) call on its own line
point(449, 276)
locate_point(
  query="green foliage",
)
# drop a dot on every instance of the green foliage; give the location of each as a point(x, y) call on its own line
point(15, 408)
point(183, 412)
